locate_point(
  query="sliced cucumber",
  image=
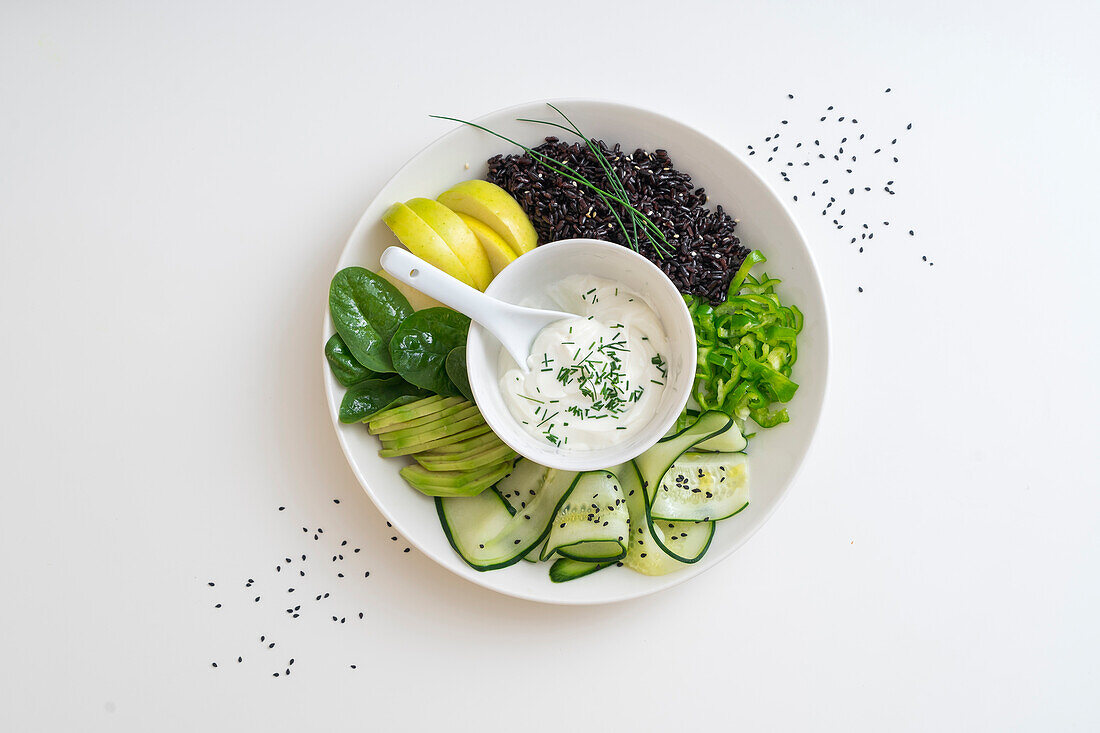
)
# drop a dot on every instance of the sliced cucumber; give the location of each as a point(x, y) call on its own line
point(703, 486)
point(564, 570)
point(728, 441)
point(595, 550)
point(654, 463)
point(467, 521)
point(535, 553)
point(524, 531)
point(685, 542)
point(643, 555)
point(519, 487)
point(522, 484)
point(593, 512)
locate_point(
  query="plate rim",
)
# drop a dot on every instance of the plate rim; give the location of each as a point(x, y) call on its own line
point(673, 579)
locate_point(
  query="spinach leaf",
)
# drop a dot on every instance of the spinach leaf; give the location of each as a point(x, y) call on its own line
point(367, 311)
point(420, 347)
point(456, 370)
point(376, 394)
point(347, 370)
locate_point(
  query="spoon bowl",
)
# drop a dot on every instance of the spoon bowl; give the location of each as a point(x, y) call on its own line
point(529, 280)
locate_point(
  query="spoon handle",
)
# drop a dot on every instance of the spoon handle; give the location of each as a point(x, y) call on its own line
point(491, 313)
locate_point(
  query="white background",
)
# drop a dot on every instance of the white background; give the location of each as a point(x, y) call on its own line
point(176, 183)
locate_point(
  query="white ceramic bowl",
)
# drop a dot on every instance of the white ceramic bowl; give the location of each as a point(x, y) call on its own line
point(775, 455)
point(531, 274)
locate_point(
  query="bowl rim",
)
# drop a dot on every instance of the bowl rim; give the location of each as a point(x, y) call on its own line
point(510, 432)
point(668, 581)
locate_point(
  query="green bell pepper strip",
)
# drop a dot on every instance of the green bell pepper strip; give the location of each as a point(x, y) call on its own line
point(747, 346)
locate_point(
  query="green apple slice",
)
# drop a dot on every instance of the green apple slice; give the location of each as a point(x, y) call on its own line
point(424, 242)
point(499, 253)
point(491, 204)
point(457, 236)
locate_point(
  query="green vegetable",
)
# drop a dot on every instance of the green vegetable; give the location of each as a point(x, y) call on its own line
point(456, 370)
point(347, 370)
point(422, 343)
point(566, 171)
point(371, 396)
point(617, 188)
point(563, 570)
point(367, 311)
point(747, 348)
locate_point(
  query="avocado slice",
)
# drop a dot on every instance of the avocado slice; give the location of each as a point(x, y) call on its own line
point(454, 483)
point(413, 410)
point(389, 452)
point(473, 445)
point(486, 457)
point(454, 412)
point(428, 433)
point(464, 450)
point(432, 424)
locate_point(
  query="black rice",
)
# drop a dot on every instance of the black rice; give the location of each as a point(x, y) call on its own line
point(704, 251)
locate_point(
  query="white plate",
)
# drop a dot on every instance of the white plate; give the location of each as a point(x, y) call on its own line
point(775, 455)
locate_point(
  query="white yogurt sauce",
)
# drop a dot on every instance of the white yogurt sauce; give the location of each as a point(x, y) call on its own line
point(596, 379)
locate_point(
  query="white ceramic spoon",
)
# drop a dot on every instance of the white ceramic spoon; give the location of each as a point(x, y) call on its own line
point(514, 326)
